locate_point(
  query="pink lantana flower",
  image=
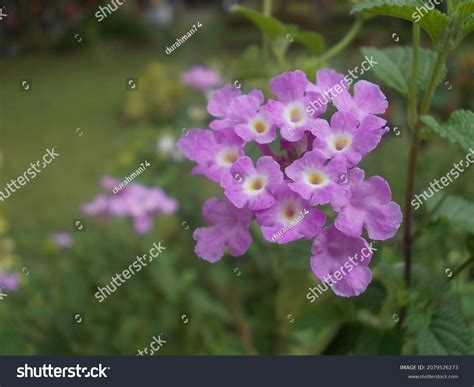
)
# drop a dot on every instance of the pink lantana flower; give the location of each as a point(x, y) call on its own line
point(316, 165)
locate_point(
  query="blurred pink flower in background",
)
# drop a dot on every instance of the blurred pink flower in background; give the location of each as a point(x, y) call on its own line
point(135, 201)
point(201, 78)
point(9, 281)
point(62, 240)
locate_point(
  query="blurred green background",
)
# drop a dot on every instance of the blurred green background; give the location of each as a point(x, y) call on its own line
point(247, 305)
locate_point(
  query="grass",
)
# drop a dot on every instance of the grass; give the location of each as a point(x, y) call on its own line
point(85, 90)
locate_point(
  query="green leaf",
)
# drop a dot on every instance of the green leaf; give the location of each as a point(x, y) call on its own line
point(267, 24)
point(459, 128)
point(458, 211)
point(464, 18)
point(433, 21)
point(311, 40)
point(440, 330)
point(468, 26)
point(358, 339)
point(446, 334)
point(464, 10)
point(453, 5)
point(394, 67)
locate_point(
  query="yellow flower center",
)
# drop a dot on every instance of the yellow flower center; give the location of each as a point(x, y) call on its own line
point(260, 127)
point(315, 178)
point(295, 115)
point(341, 143)
point(230, 157)
point(256, 184)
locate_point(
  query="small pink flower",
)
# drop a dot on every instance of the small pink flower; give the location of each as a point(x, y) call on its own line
point(201, 78)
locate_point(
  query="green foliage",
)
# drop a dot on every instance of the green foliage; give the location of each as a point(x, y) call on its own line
point(276, 30)
point(461, 22)
point(439, 329)
point(357, 339)
point(156, 97)
point(459, 128)
point(458, 211)
point(454, 4)
point(394, 67)
point(312, 40)
point(267, 24)
point(433, 22)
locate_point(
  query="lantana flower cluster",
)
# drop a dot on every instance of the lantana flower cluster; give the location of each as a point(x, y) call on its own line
point(306, 161)
point(134, 201)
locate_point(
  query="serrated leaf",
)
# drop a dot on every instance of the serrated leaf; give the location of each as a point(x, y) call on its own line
point(394, 67)
point(459, 128)
point(267, 24)
point(454, 4)
point(461, 21)
point(468, 26)
point(433, 22)
point(311, 40)
point(446, 333)
point(464, 10)
point(458, 211)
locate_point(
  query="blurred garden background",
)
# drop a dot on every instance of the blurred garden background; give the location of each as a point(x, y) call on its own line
point(81, 102)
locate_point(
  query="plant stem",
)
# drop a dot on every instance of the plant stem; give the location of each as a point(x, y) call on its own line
point(267, 7)
point(238, 316)
point(412, 112)
point(266, 150)
point(408, 216)
point(267, 11)
point(417, 233)
point(343, 43)
point(425, 105)
point(461, 268)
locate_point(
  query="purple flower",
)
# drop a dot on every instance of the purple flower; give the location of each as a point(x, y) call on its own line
point(201, 78)
point(252, 186)
point(368, 100)
point(290, 218)
point(318, 160)
point(368, 204)
point(134, 201)
point(219, 104)
point(97, 207)
point(326, 79)
point(345, 139)
point(9, 281)
point(109, 183)
point(314, 180)
point(342, 262)
point(250, 119)
point(214, 152)
point(62, 240)
point(228, 228)
point(187, 143)
point(289, 112)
